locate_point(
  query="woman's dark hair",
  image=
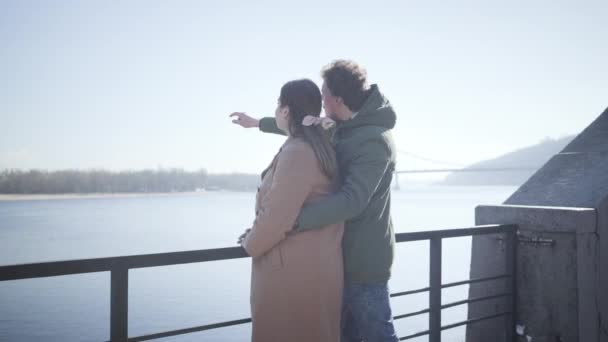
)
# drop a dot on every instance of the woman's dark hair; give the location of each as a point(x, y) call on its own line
point(347, 80)
point(303, 98)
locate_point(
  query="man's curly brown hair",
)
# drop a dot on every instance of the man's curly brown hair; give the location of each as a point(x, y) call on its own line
point(348, 80)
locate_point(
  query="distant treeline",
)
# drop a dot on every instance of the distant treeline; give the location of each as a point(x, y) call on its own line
point(102, 181)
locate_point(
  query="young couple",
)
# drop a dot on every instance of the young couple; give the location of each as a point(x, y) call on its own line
point(322, 241)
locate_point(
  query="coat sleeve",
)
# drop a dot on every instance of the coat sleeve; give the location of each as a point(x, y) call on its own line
point(291, 186)
point(269, 125)
point(361, 179)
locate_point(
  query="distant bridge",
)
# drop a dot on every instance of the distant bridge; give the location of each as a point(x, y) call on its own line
point(453, 167)
point(494, 169)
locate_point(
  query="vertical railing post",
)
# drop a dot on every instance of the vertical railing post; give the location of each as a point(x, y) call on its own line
point(511, 269)
point(119, 304)
point(435, 293)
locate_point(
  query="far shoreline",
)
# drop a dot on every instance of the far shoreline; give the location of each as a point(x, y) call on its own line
point(104, 195)
point(100, 195)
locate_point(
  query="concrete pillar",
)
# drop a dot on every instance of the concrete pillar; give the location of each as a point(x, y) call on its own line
point(563, 285)
point(555, 280)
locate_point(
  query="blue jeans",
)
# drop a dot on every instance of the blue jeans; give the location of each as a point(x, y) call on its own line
point(366, 313)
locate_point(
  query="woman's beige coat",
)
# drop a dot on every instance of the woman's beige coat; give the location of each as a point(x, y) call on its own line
point(297, 278)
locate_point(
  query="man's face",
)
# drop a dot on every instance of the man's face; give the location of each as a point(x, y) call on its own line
point(330, 102)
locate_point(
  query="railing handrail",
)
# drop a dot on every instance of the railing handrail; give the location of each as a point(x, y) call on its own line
point(106, 264)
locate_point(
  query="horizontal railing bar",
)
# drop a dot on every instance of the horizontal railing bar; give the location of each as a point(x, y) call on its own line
point(422, 333)
point(449, 305)
point(458, 283)
point(398, 294)
point(58, 268)
point(190, 330)
point(457, 232)
point(475, 280)
point(473, 300)
point(474, 320)
point(415, 313)
point(248, 320)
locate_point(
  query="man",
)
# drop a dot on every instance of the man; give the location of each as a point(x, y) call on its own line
point(366, 159)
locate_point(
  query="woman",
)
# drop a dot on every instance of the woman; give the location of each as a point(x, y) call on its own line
point(296, 280)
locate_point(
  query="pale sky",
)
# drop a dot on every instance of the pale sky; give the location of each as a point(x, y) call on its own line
point(141, 84)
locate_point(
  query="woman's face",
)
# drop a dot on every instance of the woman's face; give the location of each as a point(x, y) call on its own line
point(281, 115)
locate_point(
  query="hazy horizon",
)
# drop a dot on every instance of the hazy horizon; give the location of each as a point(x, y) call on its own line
point(138, 85)
point(236, 172)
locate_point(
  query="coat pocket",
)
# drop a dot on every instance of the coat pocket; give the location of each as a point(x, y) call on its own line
point(276, 258)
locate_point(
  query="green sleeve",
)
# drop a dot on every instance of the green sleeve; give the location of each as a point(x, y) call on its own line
point(269, 125)
point(360, 181)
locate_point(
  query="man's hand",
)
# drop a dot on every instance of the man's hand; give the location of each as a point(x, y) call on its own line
point(242, 237)
point(244, 120)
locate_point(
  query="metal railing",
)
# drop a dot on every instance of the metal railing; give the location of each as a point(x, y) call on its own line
point(436, 285)
point(120, 266)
